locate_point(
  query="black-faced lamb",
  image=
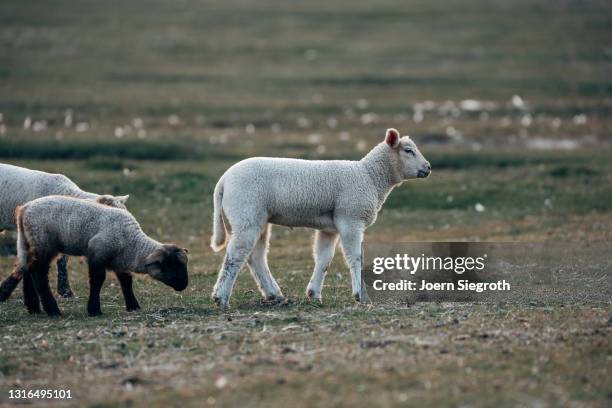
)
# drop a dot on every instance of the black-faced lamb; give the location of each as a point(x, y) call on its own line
point(19, 185)
point(110, 238)
point(338, 198)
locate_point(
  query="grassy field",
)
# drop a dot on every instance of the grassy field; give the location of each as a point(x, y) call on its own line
point(511, 102)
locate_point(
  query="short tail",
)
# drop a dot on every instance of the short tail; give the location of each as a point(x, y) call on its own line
point(218, 239)
point(8, 285)
point(23, 246)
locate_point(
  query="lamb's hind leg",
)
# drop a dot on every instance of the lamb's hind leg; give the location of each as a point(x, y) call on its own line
point(258, 265)
point(238, 249)
point(9, 284)
point(30, 297)
point(63, 285)
point(324, 249)
point(39, 271)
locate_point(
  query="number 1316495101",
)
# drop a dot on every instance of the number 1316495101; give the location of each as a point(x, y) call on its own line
point(39, 394)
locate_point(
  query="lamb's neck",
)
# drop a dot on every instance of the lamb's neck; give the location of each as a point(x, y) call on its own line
point(141, 247)
point(381, 171)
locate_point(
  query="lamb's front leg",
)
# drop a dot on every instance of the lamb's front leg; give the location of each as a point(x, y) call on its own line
point(351, 237)
point(97, 275)
point(125, 280)
point(323, 250)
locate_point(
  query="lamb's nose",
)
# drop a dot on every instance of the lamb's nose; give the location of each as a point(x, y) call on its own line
point(424, 171)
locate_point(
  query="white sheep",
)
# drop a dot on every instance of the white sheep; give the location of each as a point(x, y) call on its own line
point(19, 185)
point(338, 198)
point(110, 238)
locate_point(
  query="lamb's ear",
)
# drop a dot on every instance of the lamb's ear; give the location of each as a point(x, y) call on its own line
point(157, 256)
point(122, 199)
point(105, 200)
point(182, 256)
point(392, 138)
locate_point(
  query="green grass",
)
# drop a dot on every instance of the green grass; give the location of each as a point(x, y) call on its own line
point(321, 352)
point(95, 151)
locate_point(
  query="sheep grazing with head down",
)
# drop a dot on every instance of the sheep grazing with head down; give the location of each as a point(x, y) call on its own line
point(110, 238)
point(18, 186)
point(338, 198)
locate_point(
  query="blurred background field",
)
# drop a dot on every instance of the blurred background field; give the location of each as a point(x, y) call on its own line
point(510, 100)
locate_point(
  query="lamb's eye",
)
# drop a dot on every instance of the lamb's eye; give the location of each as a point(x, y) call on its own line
point(409, 151)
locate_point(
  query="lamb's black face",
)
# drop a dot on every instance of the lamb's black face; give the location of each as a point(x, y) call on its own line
point(169, 265)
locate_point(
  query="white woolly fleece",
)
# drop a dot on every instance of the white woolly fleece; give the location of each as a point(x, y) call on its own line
point(80, 227)
point(338, 198)
point(19, 185)
point(311, 193)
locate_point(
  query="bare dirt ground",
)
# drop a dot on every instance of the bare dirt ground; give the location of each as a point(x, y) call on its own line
point(428, 354)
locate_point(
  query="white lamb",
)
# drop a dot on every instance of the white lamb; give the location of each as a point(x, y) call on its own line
point(337, 198)
point(110, 238)
point(19, 185)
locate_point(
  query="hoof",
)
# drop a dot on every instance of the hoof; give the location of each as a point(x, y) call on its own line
point(132, 308)
point(4, 295)
point(66, 293)
point(221, 303)
point(94, 311)
point(7, 287)
point(312, 296)
point(275, 300)
point(362, 301)
point(52, 310)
